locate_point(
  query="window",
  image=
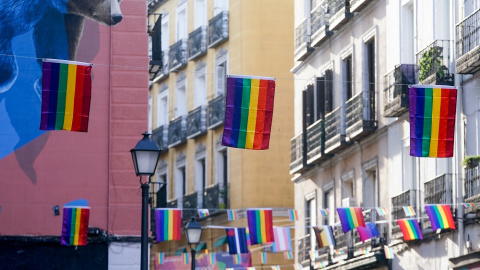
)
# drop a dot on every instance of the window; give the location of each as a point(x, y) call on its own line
point(181, 22)
point(328, 90)
point(329, 203)
point(369, 111)
point(150, 113)
point(348, 190)
point(310, 219)
point(219, 6)
point(221, 169)
point(200, 95)
point(314, 101)
point(180, 177)
point(200, 172)
point(220, 77)
point(162, 106)
point(347, 77)
point(200, 7)
point(407, 40)
point(408, 168)
point(181, 96)
point(162, 193)
point(165, 32)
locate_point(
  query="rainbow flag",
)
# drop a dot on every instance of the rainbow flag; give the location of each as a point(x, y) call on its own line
point(409, 212)
point(202, 213)
point(248, 112)
point(186, 258)
point(440, 216)
point(168, 224)
point(367, 232)
point(432, 120)
point(293, 215)
point(260, 226)
point(237, 259)
point(211, 258)
point(75, 226)
point(339, 251)
point(388, 252)
point(324, 212)
point(468, 205)
point(160, 257)
point(382, 211)
point(263, 257)
point(364, 251)
point(251, 268)
point(313, 254)
point(297, 266)
point(321, 265)
point(275, 267)
point(288, 255)
point(232, 215)
point(410, 229)
point(66, 93)
point(247, 234)
point(324, 235)
point(351, 218)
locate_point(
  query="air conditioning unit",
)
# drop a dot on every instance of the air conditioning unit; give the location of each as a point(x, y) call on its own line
point(349, 202)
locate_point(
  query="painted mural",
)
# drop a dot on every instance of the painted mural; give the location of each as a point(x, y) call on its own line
point(32, 30)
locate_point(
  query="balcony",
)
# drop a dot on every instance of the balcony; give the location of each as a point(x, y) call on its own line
point(160, 136)
point(358, 5)
point(197, 122)
point(302, 40)
point(177, 131)
point(432, 62)
point(316, 142)
point(189, 206)
point(210, 197)
point(468, 44)
point(408, 197)
point(438, 191)
point(319, 21)
point(216, 112)
point(341, 239)
point(197, 43)
point(172, 204)
point(396, 89)
point(339, 12)
point(360, 117)
point(472, 187)
point(155, 46)
point(334, 132)
point(304, 247)
point(178, 55)
point(297, 162)
point(218, 29)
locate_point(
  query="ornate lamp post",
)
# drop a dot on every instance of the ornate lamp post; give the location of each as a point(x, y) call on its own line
point(193, 231)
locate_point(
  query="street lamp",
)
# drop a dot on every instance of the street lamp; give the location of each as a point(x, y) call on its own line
point(145, 158)
point(193, 231)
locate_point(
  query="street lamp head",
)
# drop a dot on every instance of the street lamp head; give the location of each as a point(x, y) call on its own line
point(193, 231)
point(145, 156)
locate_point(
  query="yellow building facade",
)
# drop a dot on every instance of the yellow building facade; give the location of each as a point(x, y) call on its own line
point(202, 41)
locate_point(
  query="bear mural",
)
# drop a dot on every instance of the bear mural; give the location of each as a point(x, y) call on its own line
point(29, 31)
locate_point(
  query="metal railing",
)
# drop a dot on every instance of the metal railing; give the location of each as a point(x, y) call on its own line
point(333, 128)
point(315, 140)
point(433, 63)
point(197, 43)
point(296, 154)
point(361, 111)
point(301, 33)
point(197, 122)
point(210, 197)
point(439, 190)
point(318, 17)
point(189, 204)
point(336, 5)
point(177, 131)
point(178, 55)
point(160, 136)
point(472, 184)
point(218, 29)
point(408, 197)
point(396, 89)
point(216, 112)
point(468, 34)
point(304, 247)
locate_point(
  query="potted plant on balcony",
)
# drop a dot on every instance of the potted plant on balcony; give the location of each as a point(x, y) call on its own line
point(431, 62)
point(471, 161)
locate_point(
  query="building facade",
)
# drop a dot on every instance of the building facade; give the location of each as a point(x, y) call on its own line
point(203, 41)
point(352, 132)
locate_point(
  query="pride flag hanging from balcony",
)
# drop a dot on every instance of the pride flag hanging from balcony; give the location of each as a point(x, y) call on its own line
point(410, 229)
point(350, 218)
point(260, 226)
point(440, 216)
point(66, 93)
point(75, 225)
point(248, 112)
point(432, 120)
point(367, 232)
point(324, 235)
point(168, 224)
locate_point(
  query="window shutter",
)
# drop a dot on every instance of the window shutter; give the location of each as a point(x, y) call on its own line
point(328, 90)
point(310, 101)
point(157, 40)
point(320, 97)
point(221, 78)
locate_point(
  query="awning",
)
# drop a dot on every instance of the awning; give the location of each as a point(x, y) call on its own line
point(201, 246)
point(222, 240)
point(180, 251)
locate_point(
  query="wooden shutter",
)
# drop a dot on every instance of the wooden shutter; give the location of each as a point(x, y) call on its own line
point(328, 90)
point(157, 40)
point(320, 97)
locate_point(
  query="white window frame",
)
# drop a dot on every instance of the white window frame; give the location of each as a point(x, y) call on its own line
point(200, 85)
point(150, 112)
point(181, 106)
point(220, 173)
point(219, 6)
point(180, 162)
point(181, 22)
point(327, 188)
point(200, 154)
point(200, 9)
point(163, 170)
point(221, 59)
point(162, 106)
point(165, 32)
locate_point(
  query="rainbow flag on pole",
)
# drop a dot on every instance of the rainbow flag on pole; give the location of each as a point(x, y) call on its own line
point(350, 218)
point(232, 214)
point(75, 226)
point(293, 215)
point(168, 224)
point(410, 229)
point(388, 252)
point(440, 216)
point(263, 257)
point(260, 226)
point(367, 232)
point(382, 211)
point(288, 255)
point(432, 120)
point(248, 112)
point(409, 212)
point(66, 93)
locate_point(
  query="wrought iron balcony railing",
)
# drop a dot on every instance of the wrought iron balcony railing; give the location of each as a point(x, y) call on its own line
point(360, 119)
point(197, 43)
point(468, 44)
point(177, 131)
point(339, 13)
point(304, 247)
point(472, 185)
point(218, 29)
point(178, 55)
point(316, 142)
point(210, 198)
point(197, 122)
point(296, 154)
point(189, 206)
point(216, 112)
point(172, 204)
point(302, 40)
point(334, 132)
point(341, 239)
point(408, 197)
point(160, 136)
point(439, 190)
point(396, 89)
point(432, 63)
point(319, 19)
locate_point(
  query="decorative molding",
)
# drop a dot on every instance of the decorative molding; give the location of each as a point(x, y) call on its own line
point(201, 151)
point(162, 167)
point(181, 159)
point(221, 53)
point(311, 195)
point(371, 164)
point(218, 143)
point(181, 77)
point(200, 68)
point(328, 186)
point(162, 88)
point(347, 176)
